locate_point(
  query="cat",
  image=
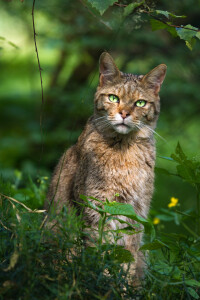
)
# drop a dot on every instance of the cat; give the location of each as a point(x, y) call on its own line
point(116, 151)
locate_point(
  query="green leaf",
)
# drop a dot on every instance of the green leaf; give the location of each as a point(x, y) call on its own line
point(127, 230)
point(166, 218)
point(101, 5)
point(156, 25)
point(156, 244)
point(192, 282)
point(190, 44)
point(167, 14)
point(187, 32)
point(162, 171)
point(198, 35)
point(131, 7)
point(193, 293)
point(122, 255)
point(163, 12)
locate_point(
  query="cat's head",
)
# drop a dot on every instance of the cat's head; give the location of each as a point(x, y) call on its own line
point(127, 102)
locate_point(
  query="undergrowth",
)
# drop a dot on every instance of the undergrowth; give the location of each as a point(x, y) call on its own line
point(37, 262)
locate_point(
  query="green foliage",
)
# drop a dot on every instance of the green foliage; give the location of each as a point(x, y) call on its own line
point(59, 264)
point(102, 5)
point(36, 263)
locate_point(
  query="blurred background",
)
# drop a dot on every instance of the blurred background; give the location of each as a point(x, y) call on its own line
point(70, 39)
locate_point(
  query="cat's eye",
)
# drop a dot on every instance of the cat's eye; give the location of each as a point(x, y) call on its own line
point(140, 103)
point(113, 98)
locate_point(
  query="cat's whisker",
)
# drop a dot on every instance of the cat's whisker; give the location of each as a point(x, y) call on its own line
point(153, 131)
point(99, 118)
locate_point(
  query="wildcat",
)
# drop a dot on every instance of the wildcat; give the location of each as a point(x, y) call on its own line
point(116, 151)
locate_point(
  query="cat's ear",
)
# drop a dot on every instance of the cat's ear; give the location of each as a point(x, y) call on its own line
point(154, 78)
point(109, 72)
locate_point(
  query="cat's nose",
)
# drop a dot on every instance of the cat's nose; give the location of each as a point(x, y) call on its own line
point(124, 114)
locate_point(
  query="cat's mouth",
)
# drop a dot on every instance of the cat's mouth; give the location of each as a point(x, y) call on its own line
point(122, 128)
point(123, 125)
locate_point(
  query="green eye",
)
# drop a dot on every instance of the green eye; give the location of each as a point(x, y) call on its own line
point(113, 98)
point(140, 103)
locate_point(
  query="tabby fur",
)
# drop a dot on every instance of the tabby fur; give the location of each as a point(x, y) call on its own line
point(116, 151)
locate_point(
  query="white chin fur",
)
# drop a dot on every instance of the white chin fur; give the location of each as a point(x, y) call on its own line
point(122, 129)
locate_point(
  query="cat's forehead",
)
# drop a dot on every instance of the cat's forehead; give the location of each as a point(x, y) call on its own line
point(128, 85)
point(132, 78)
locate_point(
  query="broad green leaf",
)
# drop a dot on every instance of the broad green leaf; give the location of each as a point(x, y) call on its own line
point(190, 44)
point(193, 282)
point(101, 5)
point(172, 31)
point(193, 293)
point(187, 33)
point(122, 255)
point(156, 244)
point(131, 7)
point(198, 35)
point(156, 25)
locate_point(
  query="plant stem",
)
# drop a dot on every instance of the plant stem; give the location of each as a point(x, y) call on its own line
point(103, 220)
point(190, 230)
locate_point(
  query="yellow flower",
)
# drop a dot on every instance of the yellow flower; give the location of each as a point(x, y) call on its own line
point(156, 221)
point(173, 202)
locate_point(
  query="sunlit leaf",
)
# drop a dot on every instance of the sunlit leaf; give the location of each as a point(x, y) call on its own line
point(187, 33)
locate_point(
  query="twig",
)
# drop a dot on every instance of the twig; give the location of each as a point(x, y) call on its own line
point(156, 18)
point(22, 204)
point(171, 25)
point(40, 71)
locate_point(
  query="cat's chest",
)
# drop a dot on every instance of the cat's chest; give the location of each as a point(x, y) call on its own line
point(124, 167)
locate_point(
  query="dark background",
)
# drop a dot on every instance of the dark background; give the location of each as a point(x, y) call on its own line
point(70, 40)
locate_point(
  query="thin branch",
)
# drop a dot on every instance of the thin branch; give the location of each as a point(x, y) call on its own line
point(171, 25)
point(156, 18)
point(40, 71)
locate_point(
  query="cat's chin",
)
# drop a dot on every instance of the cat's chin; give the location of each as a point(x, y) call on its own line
point(122, 129)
